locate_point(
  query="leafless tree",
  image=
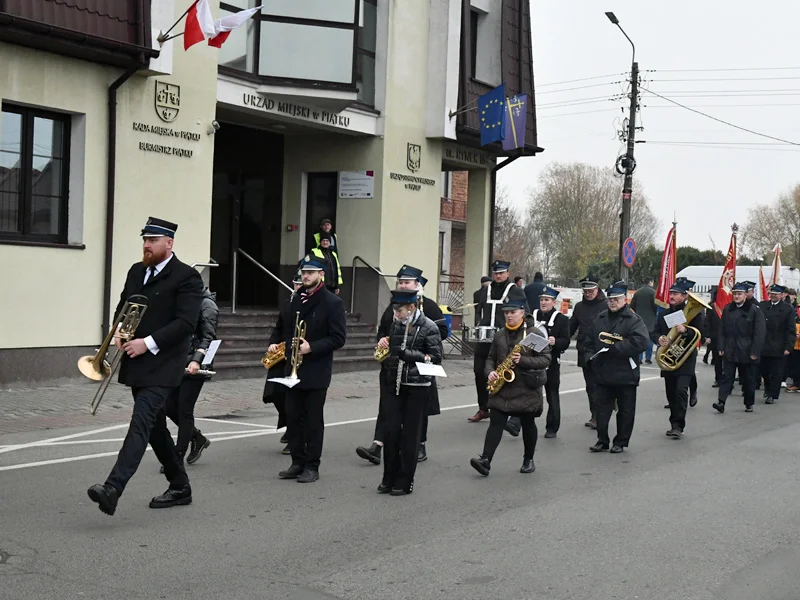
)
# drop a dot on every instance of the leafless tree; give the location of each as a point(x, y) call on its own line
point(513, 239)
point(771, 223)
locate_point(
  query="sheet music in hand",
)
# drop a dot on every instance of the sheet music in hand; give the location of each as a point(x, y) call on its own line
point(290, 383)
point(430, 370)
point(211, 352)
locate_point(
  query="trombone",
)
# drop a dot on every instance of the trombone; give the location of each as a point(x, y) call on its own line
point(96, 367)
point(299, 335)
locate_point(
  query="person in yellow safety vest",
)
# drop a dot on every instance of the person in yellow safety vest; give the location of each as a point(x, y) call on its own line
point(333, 271)
point(326, 226)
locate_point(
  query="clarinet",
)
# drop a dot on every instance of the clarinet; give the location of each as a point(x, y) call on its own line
point(400, 360)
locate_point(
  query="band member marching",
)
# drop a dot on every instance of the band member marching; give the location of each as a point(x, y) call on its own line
point(677, 382)
point(154, 364)
point(410, 279)
point(778, 341)
point(557, 324)
point(613, 345)
point(583, 315)
point(488, 320)
point(320, 329)
point(512, 357)
point(413, 339)
point(275, 393)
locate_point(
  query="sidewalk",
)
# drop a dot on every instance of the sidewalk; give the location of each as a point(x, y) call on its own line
point(35, 409)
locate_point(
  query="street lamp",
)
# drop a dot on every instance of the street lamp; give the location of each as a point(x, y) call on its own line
point(628, 162)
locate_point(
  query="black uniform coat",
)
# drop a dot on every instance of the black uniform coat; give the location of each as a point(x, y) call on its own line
point(517, 396)
point(688, 367)
point(559, 330)
point(741, 332)
point(494, 291)
point(173, 306)
point(780, 330)
point(423, 338)
point(614, 367)
point(583, 315)
point(326, 331)
point(204, 333)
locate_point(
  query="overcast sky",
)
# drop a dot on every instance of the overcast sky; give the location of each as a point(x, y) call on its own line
point(708, 185)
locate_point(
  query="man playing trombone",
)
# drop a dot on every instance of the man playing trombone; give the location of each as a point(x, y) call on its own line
point(153, 364)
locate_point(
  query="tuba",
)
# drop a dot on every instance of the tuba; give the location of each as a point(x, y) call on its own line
point(96, 367)
point(681, 346)
point(270, 359)
point(299, 333)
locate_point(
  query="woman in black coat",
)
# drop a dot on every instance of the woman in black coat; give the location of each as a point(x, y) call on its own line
point(180, 403)
point(520, 398)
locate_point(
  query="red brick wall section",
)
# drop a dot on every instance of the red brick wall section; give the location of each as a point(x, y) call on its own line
point(459, 186)
point(458, 248)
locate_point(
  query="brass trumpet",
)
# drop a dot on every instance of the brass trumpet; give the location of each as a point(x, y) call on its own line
point(609, 338)
point(381, 354)
point(96, 367)
point(270, 359)
point(299, 333)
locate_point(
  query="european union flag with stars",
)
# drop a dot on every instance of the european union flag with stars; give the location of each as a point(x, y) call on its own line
point(491, 110)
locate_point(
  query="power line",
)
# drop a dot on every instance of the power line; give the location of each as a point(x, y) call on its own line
point(586, 112)
point(541, 85)
point(795, 90)
point(706, 142)
point(577, 102)
point(764, 135)
point(707, 147)
point(580, 87)
point(722, 105)
point(722, 70)
point(704, 79)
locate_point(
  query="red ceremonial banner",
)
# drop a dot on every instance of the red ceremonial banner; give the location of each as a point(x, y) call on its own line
point(728, 279)
point(666, 276)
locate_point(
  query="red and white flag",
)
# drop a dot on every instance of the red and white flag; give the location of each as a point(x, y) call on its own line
point(728, 279)
point(762, 293)
point(200, 25)
point(666, 277)
point(776, 278)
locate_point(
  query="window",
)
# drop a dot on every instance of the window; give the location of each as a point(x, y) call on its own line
point(34, 174)
point(474, 16)
point(447, 185)
point(365, 52)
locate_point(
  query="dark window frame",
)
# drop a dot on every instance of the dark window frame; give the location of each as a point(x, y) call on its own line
point(28, 115)
point(300, 82)
point(474, 23)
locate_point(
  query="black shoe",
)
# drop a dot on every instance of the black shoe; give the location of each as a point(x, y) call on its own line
point(199, 443)
point(648, 362)
point(286, 450)
point(675, 433)
point(693, 400)
point(715, 384)
point(385, 487)
point(527, 466)
point(173, 497)
point(719, 406)
point(765, 396)
point(671, 432)
point(481, 464)
point(512, 426)
point(591, 423)
point(748, 409)
point(105, 496)
point(292, 472)
point(309, 475)
point(550, 434)
point(284, 438)
point(402, 491)
point(598, 447)
point(422, 453)
point(769, 400)
point(616, 449)
point(372, 454)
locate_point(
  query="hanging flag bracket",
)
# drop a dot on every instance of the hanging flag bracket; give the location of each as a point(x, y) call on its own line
point(165, 37)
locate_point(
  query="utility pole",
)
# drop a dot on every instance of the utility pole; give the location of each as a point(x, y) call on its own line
point(627, 162)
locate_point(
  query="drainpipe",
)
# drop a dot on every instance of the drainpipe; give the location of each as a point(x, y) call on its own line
point(111, 178)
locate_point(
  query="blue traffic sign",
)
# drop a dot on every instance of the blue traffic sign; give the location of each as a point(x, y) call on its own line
point(629, 252)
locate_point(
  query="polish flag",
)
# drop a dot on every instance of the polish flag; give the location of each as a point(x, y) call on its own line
point(762, 291)
point(200, 25)
point(776, 277)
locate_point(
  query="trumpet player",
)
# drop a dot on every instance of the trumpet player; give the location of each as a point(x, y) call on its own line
point(522, 397)
point(677, 383)
point(154, 364)
point(275, 393)
point(613, 345)
point(322, 314)
point(408, 279)
point(413, 339)
point(584, 314)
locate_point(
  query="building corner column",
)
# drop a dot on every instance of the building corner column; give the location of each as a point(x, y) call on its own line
point(479, 218)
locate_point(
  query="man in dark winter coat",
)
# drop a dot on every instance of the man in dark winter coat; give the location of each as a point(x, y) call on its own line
point(614, 343)
point(522, 397)
point(741, 340)
point(677, 382)
point(532, 290)
point(643, 304)
point(476, 297)
point(410, 279)
point(778, 341)
point(583, 315)
point(323, 313)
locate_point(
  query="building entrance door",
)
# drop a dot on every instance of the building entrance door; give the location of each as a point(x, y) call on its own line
point(322, 194)
point(246, 209)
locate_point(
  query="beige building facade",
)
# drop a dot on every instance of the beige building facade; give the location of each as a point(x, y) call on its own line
point(244, 150)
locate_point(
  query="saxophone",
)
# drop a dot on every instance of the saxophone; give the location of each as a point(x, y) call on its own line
point(505, 370)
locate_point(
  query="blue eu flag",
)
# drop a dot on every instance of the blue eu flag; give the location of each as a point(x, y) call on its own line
point(491, 110)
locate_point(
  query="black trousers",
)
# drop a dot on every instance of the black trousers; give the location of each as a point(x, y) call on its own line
point(479, 367)
point(180, 409)
point(717, 361)
point(148, 425)
point(747, 376)
point(793, 367)
point(772, 369)
point(404, 415)
point(625, 397)
point(678, 390)
point(591, 389)
point(497, 421)
point(553, 421)
point(305, 425)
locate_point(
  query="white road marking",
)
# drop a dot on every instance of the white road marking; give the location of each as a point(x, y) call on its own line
point(229, 436)
point(59, 439)
point(209, 434)
point(237, 422)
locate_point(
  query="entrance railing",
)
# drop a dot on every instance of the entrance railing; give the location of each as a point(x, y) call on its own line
point(258, 265)
point(353, 279)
